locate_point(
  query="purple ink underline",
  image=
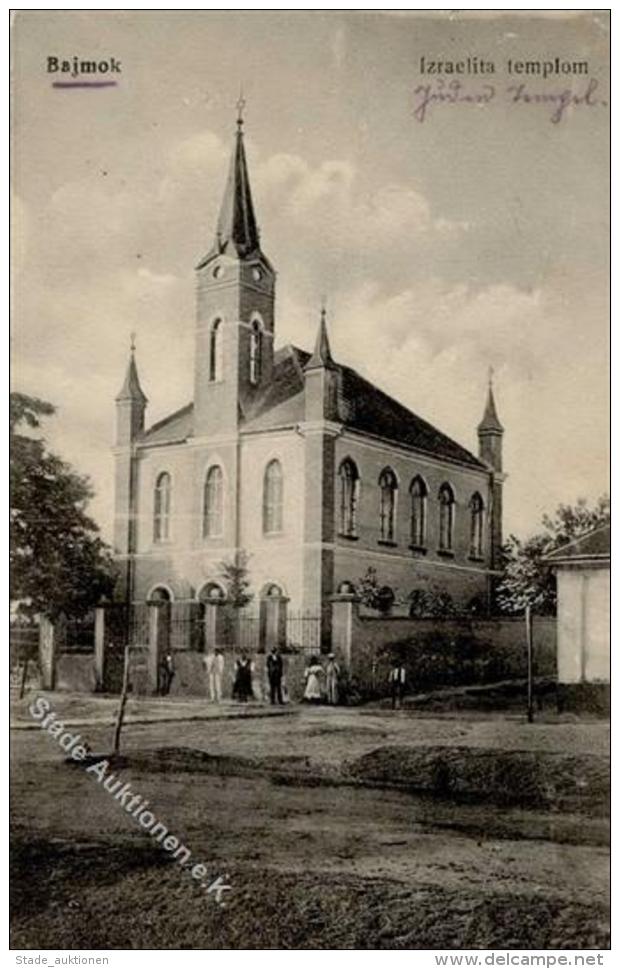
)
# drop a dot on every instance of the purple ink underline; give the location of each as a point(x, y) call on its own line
point(65, 84)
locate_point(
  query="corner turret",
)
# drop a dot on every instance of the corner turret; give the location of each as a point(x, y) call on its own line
point(131, 403)
point(490, 432)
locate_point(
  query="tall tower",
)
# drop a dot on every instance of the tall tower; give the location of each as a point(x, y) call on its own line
point(130, 407)
point(235, 308)
point(490, 442)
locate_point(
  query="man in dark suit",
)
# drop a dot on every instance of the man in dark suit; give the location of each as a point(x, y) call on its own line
point(274, 674)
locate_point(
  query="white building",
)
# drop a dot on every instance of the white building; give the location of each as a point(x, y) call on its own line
point(583, 575)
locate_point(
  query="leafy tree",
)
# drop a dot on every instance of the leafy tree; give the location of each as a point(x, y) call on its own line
point(431, 603)
point(59, 564)
point(373, 594)
point(235, 575)
point(570, 521)
point(527, 580)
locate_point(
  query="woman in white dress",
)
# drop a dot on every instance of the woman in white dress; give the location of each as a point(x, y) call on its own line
point(313, 674)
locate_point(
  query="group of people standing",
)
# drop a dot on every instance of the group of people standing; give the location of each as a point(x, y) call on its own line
point(243, 683)
point(321, 682)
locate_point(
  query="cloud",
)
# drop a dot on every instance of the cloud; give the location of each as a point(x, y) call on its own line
point(344, 215)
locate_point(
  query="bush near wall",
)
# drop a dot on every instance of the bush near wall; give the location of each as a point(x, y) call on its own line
point(434, 660)
point(448, 653)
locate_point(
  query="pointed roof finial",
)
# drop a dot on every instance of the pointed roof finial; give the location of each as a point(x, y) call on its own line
point(240, 108)
point(132, 341)
point(322, 356)
point(490, 420)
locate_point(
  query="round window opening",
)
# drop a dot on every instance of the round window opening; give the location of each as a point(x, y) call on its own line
point(257, 274)
point(218, 272)
point(211, 592)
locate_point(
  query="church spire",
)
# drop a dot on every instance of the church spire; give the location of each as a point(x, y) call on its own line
point(322, 356)
point(130, 403)
point(490, 420)
point(236, 226)
point(131, 389)
point(490, 432)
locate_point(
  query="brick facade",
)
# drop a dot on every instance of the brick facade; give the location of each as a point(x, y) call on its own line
point(302, 415)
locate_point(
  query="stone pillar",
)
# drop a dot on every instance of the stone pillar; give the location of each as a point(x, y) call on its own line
point(159, 629)
point(214, 621)
point(345, 612)
point(99, 648)
point(274, 633)
point(47, 653)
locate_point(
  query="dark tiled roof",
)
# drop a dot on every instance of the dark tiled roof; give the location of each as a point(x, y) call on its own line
point(362, 407)
point(282, 401)
point(594, 545)
point(175, 427)
point(366, 408)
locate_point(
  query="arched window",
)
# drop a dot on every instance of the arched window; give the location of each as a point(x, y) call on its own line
point(213, 503)
point(161, 507)
point(215, 351)
point(272, 498)
point(349, 493)
point(419, 493)
point(160, 594)
point(255, 352)
point(446, 518)
point(211, 592)
point(476, 506)
point(388, 486)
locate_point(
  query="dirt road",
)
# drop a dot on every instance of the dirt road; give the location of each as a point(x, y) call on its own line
point(310, 867)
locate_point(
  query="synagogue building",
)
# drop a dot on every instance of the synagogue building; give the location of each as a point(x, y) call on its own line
point(294, 458)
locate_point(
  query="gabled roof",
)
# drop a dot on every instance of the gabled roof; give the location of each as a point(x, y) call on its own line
point(361, 406)
point(366, 408)
point(281, 402)
point(172, 429)
point(591, 547)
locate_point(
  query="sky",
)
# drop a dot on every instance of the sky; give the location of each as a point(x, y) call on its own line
point(477, 238)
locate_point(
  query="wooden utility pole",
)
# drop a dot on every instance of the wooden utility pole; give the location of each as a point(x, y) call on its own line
point(530, 665)
point(123, 701)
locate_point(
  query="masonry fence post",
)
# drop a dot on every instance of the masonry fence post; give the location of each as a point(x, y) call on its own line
point(215, 623)
point(99, 658)
point(275, 621)
point(345, 612)
point(47, 653)
point(159, 627)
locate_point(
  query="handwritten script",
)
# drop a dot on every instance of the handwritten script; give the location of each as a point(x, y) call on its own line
point(440, 92)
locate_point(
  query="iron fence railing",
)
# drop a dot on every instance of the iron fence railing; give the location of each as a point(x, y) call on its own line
point(182, 626)
point(303, 632)
point(77, 635)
